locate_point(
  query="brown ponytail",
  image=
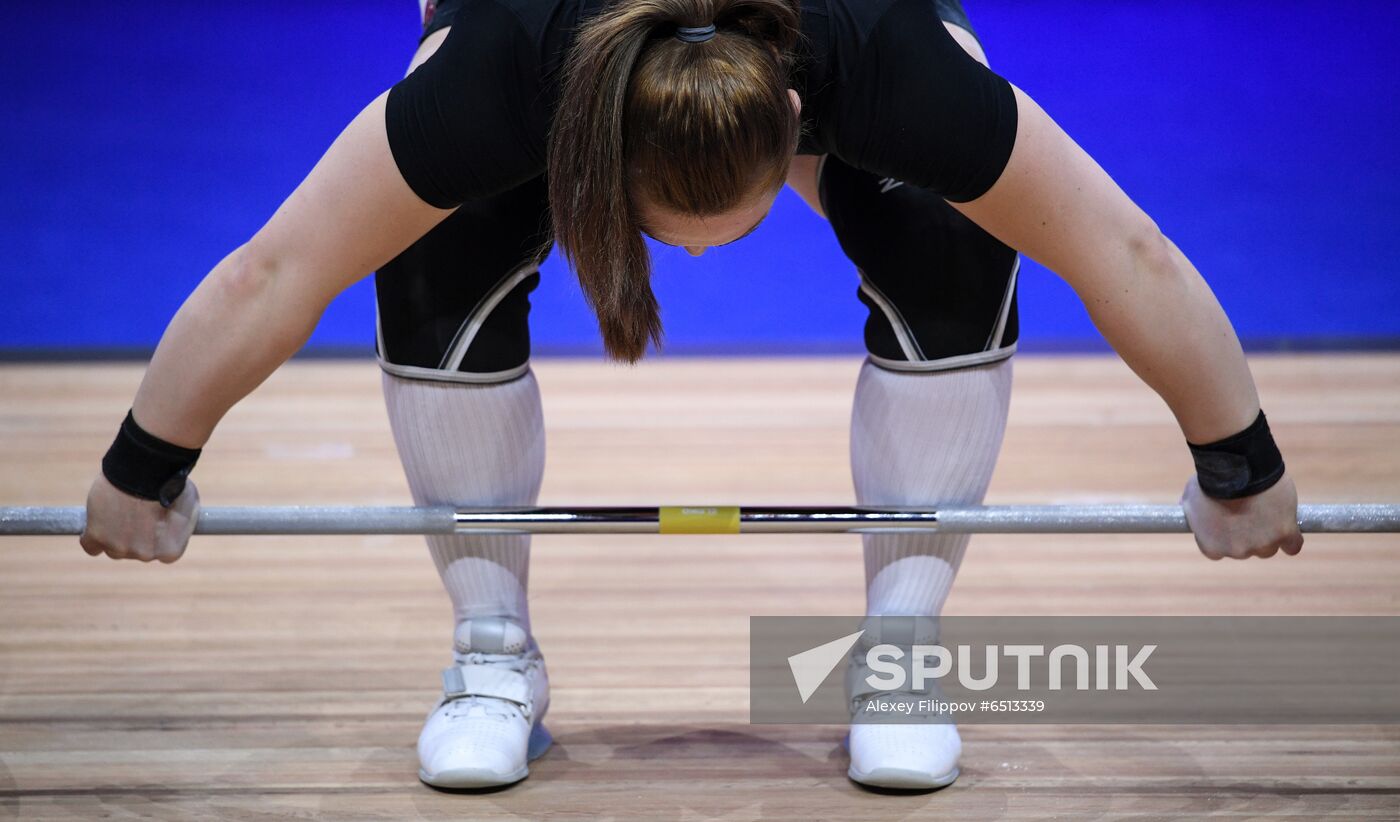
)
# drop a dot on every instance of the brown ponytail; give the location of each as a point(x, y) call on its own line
point(691, 127)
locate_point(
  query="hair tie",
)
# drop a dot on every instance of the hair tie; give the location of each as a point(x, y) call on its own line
point(695, 34)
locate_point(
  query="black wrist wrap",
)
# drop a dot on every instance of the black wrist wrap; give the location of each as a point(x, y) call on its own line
point(146, 466)
point(1239, 466)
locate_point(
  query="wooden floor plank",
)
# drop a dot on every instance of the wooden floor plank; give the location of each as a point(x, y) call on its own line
point(283, 678)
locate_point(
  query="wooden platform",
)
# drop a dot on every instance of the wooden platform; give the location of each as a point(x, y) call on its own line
point(279, 678)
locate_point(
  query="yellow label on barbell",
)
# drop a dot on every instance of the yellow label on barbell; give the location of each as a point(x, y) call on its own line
point(699, 519)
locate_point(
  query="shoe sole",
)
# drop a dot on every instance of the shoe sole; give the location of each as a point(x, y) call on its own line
point(902, 779)
point(898, 778)
point(467, 778)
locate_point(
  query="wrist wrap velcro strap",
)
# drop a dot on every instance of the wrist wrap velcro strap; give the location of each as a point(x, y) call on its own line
point(1239, 466)
point(146, 466)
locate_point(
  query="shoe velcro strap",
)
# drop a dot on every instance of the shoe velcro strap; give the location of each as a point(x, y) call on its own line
point(486, 681)
point(859, 687)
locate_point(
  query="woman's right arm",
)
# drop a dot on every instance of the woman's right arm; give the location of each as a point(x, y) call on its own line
point(352, 214)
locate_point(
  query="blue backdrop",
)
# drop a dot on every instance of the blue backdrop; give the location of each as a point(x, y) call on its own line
point(144, 140)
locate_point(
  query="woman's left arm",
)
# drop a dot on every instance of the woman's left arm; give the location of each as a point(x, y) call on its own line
point(1055, 204)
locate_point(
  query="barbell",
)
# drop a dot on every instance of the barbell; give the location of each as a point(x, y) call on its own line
point(705, 519)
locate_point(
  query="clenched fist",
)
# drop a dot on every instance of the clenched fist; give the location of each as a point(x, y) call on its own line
point(126, 527)
point(1257, 526)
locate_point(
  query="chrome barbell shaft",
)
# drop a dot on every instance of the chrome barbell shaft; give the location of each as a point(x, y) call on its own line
point(992, 519)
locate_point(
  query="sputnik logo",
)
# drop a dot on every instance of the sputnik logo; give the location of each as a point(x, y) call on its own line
point(811, 667)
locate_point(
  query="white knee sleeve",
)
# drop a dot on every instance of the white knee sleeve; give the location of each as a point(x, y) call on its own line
point(473, 445)
point(923, 440)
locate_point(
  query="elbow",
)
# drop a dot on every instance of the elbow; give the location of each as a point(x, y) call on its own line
point(1137, 273)
point(254, 292)
point(1151, 253)
point(246, 275)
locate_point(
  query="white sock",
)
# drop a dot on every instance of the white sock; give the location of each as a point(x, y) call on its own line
point(470, 445)
point(923, 440)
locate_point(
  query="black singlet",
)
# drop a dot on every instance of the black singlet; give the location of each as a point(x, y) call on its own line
point(884, 86)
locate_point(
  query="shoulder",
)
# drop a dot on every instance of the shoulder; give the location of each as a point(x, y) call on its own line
point(472, 120)
point(519, 28)
point(845, 37)
point(537, 16)
point(853, 23)
point(539, 33)
point(860, 16)
point(835, 33)
point(518, 44)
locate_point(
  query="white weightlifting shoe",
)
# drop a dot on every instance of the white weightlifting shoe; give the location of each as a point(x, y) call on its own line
point(918, 753)
point(487, 727)
point(912, 757)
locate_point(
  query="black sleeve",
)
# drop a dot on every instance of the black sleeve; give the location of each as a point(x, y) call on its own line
point(468, 122)
point(919, 109)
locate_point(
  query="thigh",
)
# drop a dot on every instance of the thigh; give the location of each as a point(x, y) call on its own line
point(941, 291)
point(455, 305)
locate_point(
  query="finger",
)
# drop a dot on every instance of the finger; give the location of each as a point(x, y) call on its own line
point(188, 508)
point(145, 551)
point(170, 550)
point(1191, 489)
point(1266, 551)
point(91, 545)
point(186, 529)
point(125, 551)
point(188, 501)
point(1293, 545)
point(1236, 552)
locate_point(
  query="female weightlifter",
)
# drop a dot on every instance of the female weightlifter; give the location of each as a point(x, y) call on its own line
point(593, 125)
